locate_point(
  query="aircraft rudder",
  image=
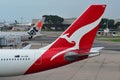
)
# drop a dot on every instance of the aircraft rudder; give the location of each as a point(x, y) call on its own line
point(86, 24)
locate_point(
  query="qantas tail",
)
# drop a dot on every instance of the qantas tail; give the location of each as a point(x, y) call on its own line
point(81, 33)
point(35, 30)
point(74, 44)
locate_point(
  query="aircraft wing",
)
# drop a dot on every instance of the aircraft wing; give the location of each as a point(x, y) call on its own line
point(27, 47)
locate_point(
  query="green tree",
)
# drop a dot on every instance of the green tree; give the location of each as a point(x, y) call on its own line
point(111, 24)
point(107, 23)
point(53, 19)
point(117, 25)
point(103, 23)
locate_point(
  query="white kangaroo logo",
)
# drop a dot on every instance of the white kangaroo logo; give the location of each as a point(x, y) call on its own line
point(65, 36)
point(76, 36)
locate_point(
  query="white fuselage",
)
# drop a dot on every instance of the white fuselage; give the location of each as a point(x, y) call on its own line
point(17, 62)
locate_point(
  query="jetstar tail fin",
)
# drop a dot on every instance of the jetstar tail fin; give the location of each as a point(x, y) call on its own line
point(35, 30)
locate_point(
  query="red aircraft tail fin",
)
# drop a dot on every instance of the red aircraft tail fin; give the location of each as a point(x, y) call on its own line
point(81, 33)
point(78, 37)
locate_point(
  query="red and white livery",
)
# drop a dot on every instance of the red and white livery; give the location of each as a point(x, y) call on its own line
point(73, 45)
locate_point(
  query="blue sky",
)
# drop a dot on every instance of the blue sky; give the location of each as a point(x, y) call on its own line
point(11, 10)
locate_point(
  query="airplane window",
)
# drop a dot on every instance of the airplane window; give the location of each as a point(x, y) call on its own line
point(20, 59)
point(28, 58)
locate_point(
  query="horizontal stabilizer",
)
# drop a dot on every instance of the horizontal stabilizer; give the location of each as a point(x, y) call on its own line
point(96, 49)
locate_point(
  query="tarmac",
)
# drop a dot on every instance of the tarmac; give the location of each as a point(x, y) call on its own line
point(103, 67)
